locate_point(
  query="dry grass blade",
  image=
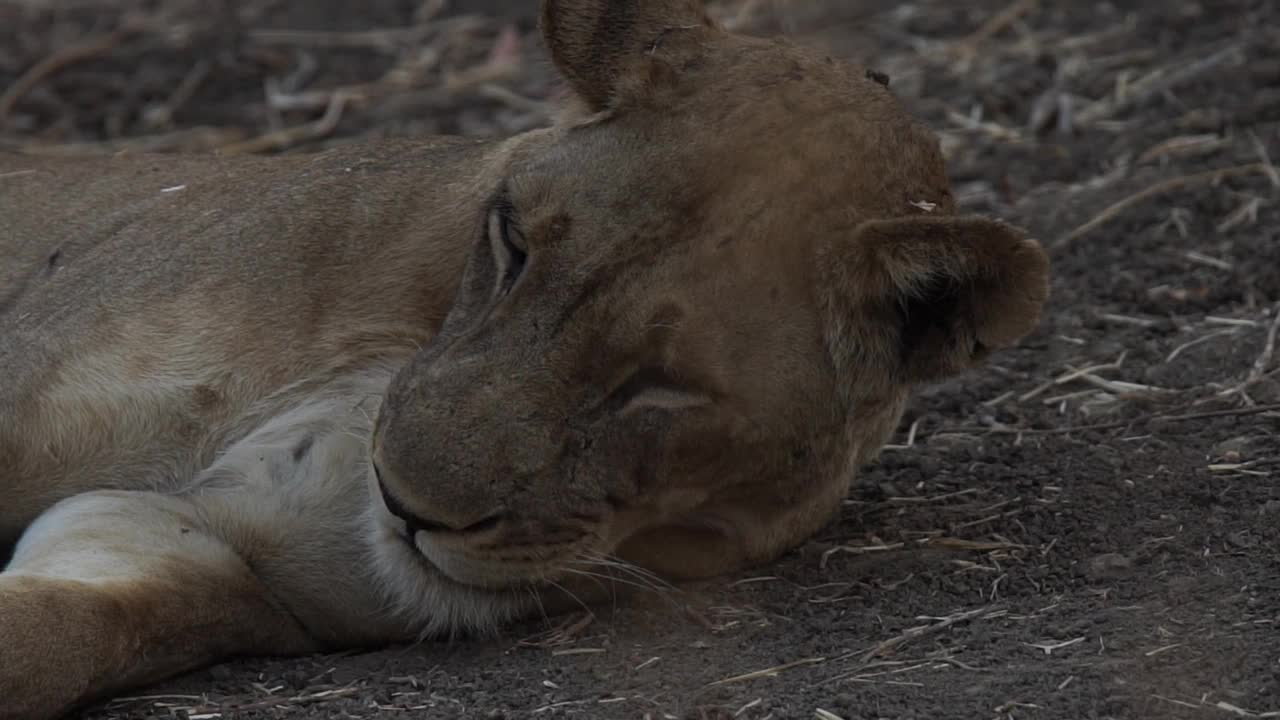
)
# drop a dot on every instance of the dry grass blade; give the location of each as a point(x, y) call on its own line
point(131, 699)
point(1184, 145)
point(1110, 213)
point(1265, 157)
point(1199, 341)
point(918, 632)
point(1241, 712)
point(269, 703)
point(1247, 213)
point(856, 550)
point(945, 543)
point(966, 49)
point(1072, 375)
point(767, 672)
point(970, 545)
point(1263, 362)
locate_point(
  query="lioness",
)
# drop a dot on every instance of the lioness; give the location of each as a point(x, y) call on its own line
point(285, 405)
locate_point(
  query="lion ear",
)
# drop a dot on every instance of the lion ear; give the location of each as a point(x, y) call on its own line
point(598, 45)
point(929, 297)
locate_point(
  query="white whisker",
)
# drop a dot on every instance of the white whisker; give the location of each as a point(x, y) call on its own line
point(631, 569)
point(586, 608)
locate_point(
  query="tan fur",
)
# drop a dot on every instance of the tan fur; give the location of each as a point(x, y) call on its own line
point(350, 399)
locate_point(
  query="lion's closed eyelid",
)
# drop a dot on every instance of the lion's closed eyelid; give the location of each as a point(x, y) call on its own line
point(663, 398)
point(656, 387)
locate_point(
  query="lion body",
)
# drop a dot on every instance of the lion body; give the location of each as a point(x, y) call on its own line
point(279, 405)
point(140, 395)
point(108, 386)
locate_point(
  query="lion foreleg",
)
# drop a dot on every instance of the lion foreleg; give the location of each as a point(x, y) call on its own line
point(109, 591)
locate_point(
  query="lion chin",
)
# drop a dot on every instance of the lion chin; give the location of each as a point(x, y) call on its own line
point(420, 595)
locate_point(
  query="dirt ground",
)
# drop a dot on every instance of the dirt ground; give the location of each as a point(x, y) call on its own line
point(1087, 528)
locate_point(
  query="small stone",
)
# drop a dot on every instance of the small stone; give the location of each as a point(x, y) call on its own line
point(1232, 449)
point(1243, 539)
point(296, 679)
point(929, 467)
point(344, 676)
point(1108, 566)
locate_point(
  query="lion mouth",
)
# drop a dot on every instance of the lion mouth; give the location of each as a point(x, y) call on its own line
point(460, 569)
point(439, 588)
point(403, 544)
point(502, 558)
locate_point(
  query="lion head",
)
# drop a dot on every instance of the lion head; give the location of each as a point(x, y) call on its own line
point(694, 307)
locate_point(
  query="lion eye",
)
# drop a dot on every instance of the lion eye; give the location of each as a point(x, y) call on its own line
point(509, 254)
point(655, 387)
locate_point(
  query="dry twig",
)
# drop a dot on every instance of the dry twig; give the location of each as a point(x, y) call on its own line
point(1210, 176)
point(967, 48)
point(67, 56)
point(281, 139)
point(1239, 412)
point(767, 672)
point(1263, 362)
point(1154, 83)
point(918, 632)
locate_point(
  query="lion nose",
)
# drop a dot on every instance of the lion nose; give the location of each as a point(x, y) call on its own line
point(416, 521)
